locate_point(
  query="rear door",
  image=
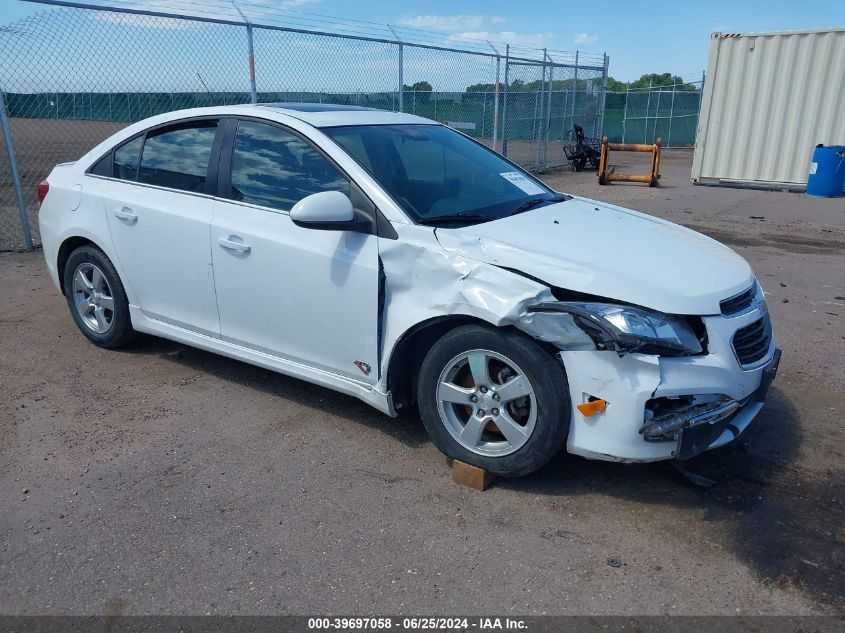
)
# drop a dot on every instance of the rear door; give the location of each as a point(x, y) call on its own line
point(306, 295)
point(159, 215)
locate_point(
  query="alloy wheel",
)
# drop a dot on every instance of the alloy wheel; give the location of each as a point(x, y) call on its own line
point(486, 402)
point(93, 298)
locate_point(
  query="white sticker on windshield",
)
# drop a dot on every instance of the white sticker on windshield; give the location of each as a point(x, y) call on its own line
point(528, 186)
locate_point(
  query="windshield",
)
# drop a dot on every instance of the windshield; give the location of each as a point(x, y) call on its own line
point(440, 176)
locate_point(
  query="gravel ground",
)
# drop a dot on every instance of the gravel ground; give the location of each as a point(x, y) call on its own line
point(162, 479)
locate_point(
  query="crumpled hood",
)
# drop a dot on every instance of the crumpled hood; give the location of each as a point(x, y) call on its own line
point(605, 250)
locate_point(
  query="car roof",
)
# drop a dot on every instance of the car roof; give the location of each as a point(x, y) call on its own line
point(316, 114)
point(333, 114)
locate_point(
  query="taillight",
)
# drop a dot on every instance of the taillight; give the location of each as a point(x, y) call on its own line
point(43, 188)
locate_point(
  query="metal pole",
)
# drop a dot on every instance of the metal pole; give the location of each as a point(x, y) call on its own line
point(647, 109)
point(671, 114)
point(625, 110)
point(541, 98)
point(253, 94)
point(484, 114)
point(13, 168)
point(657, 113)
point(401, 70)
point(496, 99)
point(548, 114)
point(401, 80)
point(599, 133)
point(505, 102)
point(574, 88)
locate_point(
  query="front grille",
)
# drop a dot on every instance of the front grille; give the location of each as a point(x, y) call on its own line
point(751, 343)
point(739, 302)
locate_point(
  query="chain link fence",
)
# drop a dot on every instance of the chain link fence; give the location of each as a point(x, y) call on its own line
point(641, 115)
point(72, 76)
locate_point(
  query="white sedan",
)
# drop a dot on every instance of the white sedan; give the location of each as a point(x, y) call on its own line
point(396, 260)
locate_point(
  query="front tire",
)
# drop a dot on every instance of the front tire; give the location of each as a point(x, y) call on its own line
point(96, 298)
point(495, 399)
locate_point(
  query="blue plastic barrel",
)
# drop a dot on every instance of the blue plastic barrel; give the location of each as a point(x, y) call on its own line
point(827, 171)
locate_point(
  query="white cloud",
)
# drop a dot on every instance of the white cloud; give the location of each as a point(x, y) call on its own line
point(145, 21)
point(532, 40)
point(451, 23)
point(585, 38)
point(292, 4)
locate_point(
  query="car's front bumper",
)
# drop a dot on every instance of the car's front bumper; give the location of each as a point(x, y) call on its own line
point(630, 382)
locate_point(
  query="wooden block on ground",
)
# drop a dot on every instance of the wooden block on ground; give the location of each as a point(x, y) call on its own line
point(471, 476)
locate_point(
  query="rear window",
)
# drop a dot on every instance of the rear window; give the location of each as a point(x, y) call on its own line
point(177, 157)
point(126, 159)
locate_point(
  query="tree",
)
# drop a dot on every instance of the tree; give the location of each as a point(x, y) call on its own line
point(655, 80)
point(419, 86)
point(614, 85)
point(482, 88)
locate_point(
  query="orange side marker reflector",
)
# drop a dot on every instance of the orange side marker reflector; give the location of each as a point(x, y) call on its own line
point(588, 409)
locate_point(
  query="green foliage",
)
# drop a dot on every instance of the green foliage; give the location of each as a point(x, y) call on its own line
point(419, 86)
point(655, 80)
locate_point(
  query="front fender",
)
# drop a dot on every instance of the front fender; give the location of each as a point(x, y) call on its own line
point(422, 282)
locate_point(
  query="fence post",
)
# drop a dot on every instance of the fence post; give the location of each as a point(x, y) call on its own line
point(401, 71)
point(603, 101)
point(574, 88)
point(671, 114)
point(253, 95)
point(647, 109)
point(548, 113)
point(13, 170)
point(541, 98)
point(253, 92)
point(656, 114)
point(625, 111)
point(505, 102)
point(495, 98)
point(401, 79)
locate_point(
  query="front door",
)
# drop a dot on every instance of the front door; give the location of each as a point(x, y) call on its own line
point(305, 295)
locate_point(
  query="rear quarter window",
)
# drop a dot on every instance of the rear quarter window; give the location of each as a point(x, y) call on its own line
point(177, 157)
point(126, 159)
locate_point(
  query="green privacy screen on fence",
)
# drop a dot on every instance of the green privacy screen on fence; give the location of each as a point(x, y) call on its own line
point(672, 116)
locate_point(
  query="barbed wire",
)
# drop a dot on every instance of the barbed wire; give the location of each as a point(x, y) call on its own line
point(297, 19)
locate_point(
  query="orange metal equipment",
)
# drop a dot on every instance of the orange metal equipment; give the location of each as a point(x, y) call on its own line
point(606, 173)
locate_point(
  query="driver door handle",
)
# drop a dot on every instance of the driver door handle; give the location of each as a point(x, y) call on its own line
point(231, 245)
point(127, 215)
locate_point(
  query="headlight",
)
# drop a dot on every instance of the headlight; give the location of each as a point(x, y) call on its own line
point(629, 329)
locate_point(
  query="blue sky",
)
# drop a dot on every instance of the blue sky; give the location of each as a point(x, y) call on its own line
point(641, 36)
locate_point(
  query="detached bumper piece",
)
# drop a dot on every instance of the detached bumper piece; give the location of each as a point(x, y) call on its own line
point(699, 423)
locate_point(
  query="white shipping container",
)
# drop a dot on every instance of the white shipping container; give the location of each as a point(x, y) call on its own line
point(768, 100)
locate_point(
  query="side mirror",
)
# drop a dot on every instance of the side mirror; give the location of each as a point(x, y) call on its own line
point(326, 211)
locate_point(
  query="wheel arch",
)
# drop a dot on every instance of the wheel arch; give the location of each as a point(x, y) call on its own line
point(69, 245)
point(408, 353)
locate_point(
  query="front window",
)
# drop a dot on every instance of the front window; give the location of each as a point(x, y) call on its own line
point(274, 168)
point(440, 176)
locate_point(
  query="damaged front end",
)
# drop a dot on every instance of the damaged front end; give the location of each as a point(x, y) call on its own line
point(665, 418)
point(622, 328)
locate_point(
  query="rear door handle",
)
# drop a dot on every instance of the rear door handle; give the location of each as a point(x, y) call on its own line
point(127, 215)
point(230, 245)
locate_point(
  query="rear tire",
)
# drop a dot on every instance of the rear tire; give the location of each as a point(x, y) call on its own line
point(466, 391)
point(97, 299)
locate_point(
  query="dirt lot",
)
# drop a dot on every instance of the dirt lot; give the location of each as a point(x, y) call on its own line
point(162, 479)
point(39, 145)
